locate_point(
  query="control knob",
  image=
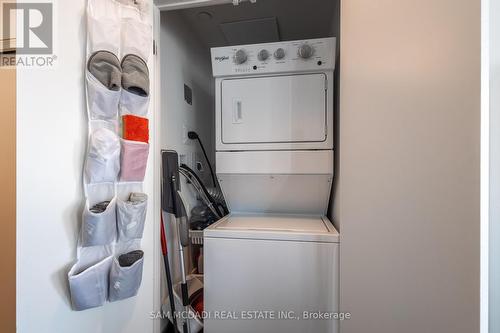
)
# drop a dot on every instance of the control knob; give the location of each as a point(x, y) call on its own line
point(263, 55)
point(279, 54)
point(240, 57)
point(306, 51)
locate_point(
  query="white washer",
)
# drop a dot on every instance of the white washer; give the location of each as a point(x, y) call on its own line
point(274, 259)
point(286, 265)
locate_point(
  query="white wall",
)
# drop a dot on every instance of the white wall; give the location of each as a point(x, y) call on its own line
point(184, 61)
point(52, 137)
point(408, 194)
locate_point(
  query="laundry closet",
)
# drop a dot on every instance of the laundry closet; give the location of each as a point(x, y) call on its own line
point(253, 87)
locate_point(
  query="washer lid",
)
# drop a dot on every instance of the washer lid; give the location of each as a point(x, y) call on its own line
point(274, 227)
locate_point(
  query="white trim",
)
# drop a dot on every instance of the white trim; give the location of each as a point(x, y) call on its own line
point(485, 166)
point(286, 228)
point(156, 114)
point(180, 4)
point(18, 198)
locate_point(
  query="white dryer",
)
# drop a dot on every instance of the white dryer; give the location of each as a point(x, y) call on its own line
point(274, 96)
point(272, 264)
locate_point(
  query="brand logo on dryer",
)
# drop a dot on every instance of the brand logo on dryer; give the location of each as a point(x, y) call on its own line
point(222, 58)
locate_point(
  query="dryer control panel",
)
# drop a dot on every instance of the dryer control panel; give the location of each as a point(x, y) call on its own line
point(281, 57)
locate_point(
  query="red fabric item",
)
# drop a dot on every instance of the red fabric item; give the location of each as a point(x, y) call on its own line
point(135, 128)
point(198, 305)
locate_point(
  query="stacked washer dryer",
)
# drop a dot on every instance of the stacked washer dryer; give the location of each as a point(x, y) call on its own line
point(274, 261)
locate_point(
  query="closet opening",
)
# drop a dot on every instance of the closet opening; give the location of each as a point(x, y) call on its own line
point(296, 122)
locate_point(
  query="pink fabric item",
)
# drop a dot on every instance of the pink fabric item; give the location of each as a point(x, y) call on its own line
point(134, 159)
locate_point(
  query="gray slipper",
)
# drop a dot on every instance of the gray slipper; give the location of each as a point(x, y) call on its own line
point(105, 67)
point(135, 75)
point(128, 259)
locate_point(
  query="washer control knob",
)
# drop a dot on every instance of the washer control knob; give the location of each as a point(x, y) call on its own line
point(306, 51)
point(263, 55)
point(240, 57)
point(279, 54)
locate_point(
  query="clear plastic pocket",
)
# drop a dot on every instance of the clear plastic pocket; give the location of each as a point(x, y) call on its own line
point(102, 102)
point(133, 104)
point(103, 158)
point(124, 281)
point(104, 34)
point(99, 216)
point(89, 285)
point(131, 210)
point(131, 217)
point(104, 26)
point(136, 38)
point(134, 160)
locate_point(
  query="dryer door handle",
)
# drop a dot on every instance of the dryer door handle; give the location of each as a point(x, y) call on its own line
point(237, 112)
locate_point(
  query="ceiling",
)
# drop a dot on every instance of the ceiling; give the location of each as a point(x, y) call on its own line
point(263, 21)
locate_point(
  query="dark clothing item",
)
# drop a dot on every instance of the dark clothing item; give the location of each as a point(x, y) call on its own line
point(128, 259)
point(100, 207)
point(105, 67)
point(135, 75)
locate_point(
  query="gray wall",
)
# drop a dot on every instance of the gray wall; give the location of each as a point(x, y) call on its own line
point(408, 182)
point(494, 255)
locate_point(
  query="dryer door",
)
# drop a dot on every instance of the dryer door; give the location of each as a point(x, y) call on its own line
point(278, 109)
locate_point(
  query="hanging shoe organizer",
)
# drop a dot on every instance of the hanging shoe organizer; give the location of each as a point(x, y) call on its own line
point(109, 256)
